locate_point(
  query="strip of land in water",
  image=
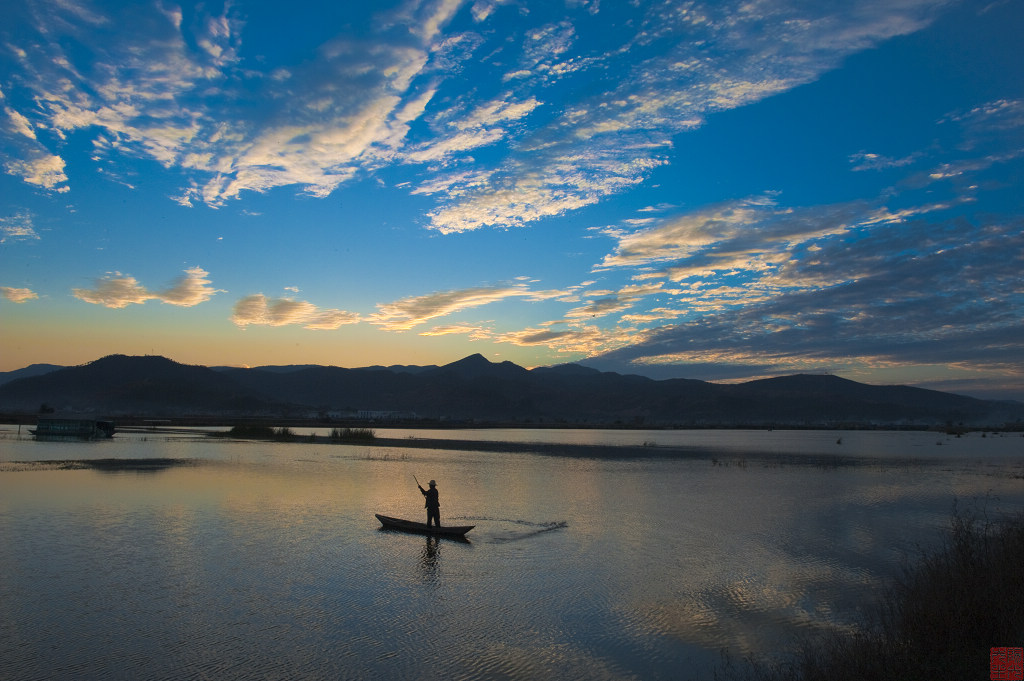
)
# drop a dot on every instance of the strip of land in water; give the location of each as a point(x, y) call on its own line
point(106, 465)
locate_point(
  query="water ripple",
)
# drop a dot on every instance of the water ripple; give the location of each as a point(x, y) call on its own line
point(267, 562)
point(509, 529)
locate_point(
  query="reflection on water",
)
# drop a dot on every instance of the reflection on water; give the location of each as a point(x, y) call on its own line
point(264, 559)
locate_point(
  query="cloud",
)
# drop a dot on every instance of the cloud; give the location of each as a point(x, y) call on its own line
point(175, 90)
point(43, 170)
point(330, 319)
point(928, 293)
point(17, 228)
point(761, 246)
point(687, 235)
point(656, 314)
point(117, 291)
point(605, 144)
point(995, 117)
point(868, 161)
point(258, 310)
point(585, 339)
point(27, 158)
point(409, 312)
point(191, 288)
point(426, 19)
point(482, 9)
point(855, 285)
point(570, 334)
point(576, 332)
point(960, 168)
point(612, 303)
point(513, 198)
point(462, 141)
point(475, 332)
point(114, 291)
point(480, 127)
point(17, 123)
point(17, 295)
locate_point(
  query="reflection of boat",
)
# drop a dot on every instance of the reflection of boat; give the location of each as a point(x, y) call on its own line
point(422, 528)
point(73, 429)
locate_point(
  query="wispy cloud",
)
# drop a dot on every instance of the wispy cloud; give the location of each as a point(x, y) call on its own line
point(960, 168)
point(117, 290)
point(864, 160)
point(576, 338)
point(18, 295)
point(608, 303)
point(258, 310)
point(415, 310)
point(473, 331)
point(484, 125)
point(426, 19)
point(755, 238)
point(516, 195)
point(176, 91)
point(608, 143)
point(687, 235)
point(916, 295)
point(27, 157)
point(41, 169)
point(995, 117)
point(757, 283)
point(15, 123)
point(18, 227)
point(482, 9)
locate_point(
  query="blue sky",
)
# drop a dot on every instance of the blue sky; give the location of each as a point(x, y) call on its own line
point(712, 190)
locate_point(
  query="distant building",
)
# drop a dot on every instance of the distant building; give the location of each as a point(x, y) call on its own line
point(385, 415)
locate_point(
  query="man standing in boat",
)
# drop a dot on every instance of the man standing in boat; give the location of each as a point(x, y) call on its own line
point(433, 504)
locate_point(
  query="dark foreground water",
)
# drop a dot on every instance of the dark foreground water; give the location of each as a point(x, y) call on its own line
point(262, 560)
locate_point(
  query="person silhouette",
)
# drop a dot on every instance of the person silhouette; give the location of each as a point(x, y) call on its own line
point(433, 505)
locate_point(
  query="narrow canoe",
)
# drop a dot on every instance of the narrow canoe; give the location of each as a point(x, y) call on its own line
point(422, 528)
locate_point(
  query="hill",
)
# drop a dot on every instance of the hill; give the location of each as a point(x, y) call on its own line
point(119, 384)
point(475, 389)
point(30, 370)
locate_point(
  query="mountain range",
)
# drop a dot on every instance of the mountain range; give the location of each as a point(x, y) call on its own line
point(474, 389)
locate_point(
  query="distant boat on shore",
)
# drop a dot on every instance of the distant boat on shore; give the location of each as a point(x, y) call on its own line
point(73, 429)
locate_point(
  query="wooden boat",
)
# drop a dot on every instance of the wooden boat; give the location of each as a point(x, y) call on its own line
point(422, 528)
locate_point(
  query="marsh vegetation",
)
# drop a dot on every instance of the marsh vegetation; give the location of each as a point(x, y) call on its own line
point(285, 434)
point(939, 618)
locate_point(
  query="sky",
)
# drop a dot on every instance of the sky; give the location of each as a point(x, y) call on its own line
point(718, 190)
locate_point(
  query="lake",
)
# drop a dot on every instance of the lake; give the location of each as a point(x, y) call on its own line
point(240, 560)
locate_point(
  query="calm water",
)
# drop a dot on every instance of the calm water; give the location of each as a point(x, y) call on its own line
point(264, 560)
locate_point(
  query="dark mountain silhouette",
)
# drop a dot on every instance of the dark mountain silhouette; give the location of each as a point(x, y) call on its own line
point(475, 389)
point(30, 370)
point(402, 368)
point(120, 384)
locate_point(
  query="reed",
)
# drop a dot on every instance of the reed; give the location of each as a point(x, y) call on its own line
point(353, 434)
point(938, 620)
point(260, 432)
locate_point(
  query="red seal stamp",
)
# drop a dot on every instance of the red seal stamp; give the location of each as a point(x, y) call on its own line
point(1006, 664)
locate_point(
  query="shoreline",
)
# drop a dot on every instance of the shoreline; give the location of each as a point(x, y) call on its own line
point(643, 451)
point(548, 449)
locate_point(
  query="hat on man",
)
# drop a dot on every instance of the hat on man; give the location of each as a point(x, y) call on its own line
point(432, 483)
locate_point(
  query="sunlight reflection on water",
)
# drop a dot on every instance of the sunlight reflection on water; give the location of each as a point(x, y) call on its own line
point(265, 559)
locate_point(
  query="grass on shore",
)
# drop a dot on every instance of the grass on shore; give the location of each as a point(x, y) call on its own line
point(353, 434)
point(260, 432)
point(939, 620)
